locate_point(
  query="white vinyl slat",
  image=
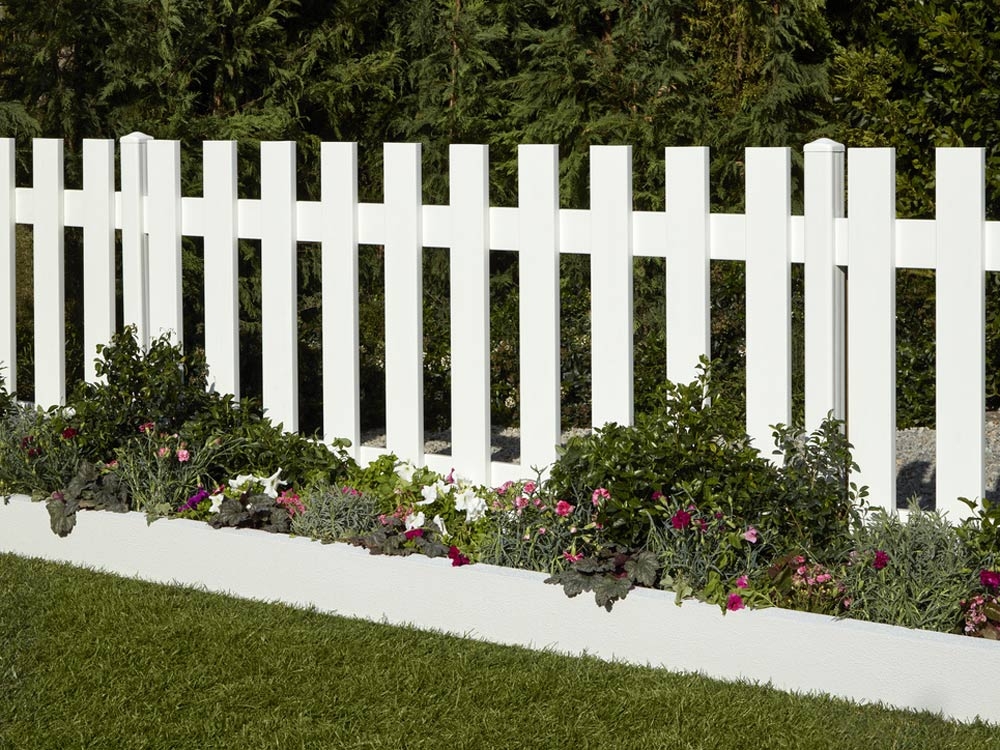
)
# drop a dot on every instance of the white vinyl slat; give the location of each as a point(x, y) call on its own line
point(49, 275)
point(279, 283)
point(163, 226)
point(98, 223)
point(404, 329)
point(470, 310)
point(871, 321)
point(960, 197)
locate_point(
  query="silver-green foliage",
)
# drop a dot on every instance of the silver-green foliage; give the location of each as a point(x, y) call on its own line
point(927, 573)
point(333, 514)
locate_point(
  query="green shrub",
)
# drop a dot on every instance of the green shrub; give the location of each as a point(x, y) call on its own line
point(913, 573)
point(333, 514)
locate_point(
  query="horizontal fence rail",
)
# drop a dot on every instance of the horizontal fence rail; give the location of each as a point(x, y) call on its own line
point(849, 366)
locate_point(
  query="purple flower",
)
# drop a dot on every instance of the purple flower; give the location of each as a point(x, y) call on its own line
point(989, 578)
point(881, 559)
point(194, 500)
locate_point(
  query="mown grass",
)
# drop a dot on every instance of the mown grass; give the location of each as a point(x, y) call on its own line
point(89, 660)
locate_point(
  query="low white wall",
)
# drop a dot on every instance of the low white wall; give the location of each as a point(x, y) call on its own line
point(792, 650)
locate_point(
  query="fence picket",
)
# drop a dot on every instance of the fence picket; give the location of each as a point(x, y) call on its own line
point(221, 252)
point(611, 284)
point(768, 293)
point(163, 228)
point(824, 282)
point(538, 301)
point(8, 267)
point(960, 197)
point(98, 249)
point(339, 274)
point(871, 320)
point(404, 288)
point(689, 304)
point(470, 310)
point(279, 283)
point(135, 248)
point(47, 195)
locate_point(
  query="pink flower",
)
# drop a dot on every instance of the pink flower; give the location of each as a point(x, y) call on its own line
point(735, 602)
point(681, 519)
point(504, 487)
point(750, 535)
point(989, 578)
point(881, 560)
point(542, 530)
point(742, 582)
point(571, 557)
point(701, 524)
point(183, 455)
point(656, 495)
point(563, 508)
point(450, 479)
point(413, 533)
point(530, 487)
point(146, 426)
point(599, 494)
point(521, 503)
point(162, 452)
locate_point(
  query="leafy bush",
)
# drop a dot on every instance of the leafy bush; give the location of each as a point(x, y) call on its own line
point(913, 573)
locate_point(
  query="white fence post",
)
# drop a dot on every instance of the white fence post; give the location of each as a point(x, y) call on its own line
point(824, 282)
point(611, 284)
point(163, 227)
point(871, 320)
point(339, 274)
point(404, 310)
point(768, 293)
point(135, 249)
point(279, 283)
point(221, 249)
point(8, 267)
point(49, 277)
point(689, 305)
point(98, 250)
point(470, 310)
point(960, 197)
point(538, 302)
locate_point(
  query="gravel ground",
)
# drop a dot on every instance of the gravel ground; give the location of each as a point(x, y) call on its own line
point(915, 451)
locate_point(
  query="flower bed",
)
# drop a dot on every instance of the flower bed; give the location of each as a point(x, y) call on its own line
point(792, 650)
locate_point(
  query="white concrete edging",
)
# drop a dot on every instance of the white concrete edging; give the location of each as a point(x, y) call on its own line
point(795, 651)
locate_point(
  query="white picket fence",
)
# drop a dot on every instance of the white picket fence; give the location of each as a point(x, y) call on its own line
point(869, 245)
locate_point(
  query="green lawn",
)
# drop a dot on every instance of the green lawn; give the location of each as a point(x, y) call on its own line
point(89, 660)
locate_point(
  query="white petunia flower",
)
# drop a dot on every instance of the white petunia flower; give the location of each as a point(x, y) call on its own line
point(430, 492)
point(414, 521)
point(271, 483)
point(439, 522)
point(405, 471)
point(475, 509)
point(216, 502)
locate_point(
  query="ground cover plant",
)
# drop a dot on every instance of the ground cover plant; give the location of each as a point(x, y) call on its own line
point(679, 501)
point(92, 660)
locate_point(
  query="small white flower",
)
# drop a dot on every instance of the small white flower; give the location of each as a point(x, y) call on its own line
point(414, 521)
point(430, 492)
point(241, 481)
point(475, 509)
point(271, 484)
point(405, 471)
point(216, 502)
point(463, 497)
point(439, 522)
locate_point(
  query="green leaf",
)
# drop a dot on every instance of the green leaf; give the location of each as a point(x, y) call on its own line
point(61, 520)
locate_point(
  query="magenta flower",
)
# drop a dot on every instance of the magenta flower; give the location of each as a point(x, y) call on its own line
point(989, 578)
point(413, 533)
point(183, 455)
point(656, 495)
point(563, 508)
point(599, 494)
point(750, 535)
point(735, 602)
point(69, 433)
point(742, 582)
point(881, 559)
point(456, 557)
point(573, 557)
point(681, 519)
